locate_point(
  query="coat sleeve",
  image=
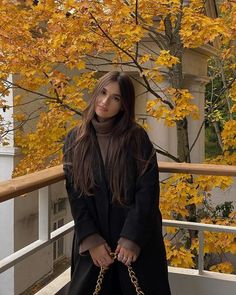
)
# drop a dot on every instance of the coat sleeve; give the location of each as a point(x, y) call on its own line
point(139, 221)
point(85, 225)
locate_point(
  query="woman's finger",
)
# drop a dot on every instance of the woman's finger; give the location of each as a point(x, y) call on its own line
point(96, 262)
point(126, 260)
point(120, 257)
point(108, 260)
point(102, 262)
point(108, 248)
point(118, 249)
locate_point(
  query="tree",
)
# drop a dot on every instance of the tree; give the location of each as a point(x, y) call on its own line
point(56, 51)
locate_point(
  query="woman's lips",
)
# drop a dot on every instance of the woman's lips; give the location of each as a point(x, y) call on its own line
point(102, 109)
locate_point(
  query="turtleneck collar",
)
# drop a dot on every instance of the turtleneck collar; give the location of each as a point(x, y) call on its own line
point(103, 127)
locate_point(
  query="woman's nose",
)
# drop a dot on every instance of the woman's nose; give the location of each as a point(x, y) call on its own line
point(105, 100)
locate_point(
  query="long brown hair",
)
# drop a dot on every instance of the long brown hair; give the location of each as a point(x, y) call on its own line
point(122, 138)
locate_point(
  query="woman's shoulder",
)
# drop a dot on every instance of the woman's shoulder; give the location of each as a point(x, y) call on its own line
point(140, 143)
point(139, 132)
point(72, 133)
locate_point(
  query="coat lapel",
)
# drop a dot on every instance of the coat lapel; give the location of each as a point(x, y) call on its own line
point(100, 172)
point(101, 191)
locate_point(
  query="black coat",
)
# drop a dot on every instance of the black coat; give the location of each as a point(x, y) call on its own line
point(139, 221)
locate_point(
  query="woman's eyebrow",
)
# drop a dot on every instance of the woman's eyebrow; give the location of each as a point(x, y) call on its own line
point(115, 94)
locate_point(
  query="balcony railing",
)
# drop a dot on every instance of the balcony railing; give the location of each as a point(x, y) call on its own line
point(41, 180)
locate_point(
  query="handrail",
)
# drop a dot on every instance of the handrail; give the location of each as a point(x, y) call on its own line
point(200, 169)
point(23, 184)
point(27, 183)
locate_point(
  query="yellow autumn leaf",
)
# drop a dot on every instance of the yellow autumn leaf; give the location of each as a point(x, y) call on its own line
point(224, 267)
point(17, 99)
point(166, 59)
point(19, 117)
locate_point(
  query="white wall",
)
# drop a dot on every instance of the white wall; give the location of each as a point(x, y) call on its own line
point(188, 282)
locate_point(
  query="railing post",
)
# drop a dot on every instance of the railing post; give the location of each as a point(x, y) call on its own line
point(201, 252)
point(44, 214)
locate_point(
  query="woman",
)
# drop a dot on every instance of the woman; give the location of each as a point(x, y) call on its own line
point(113, 188)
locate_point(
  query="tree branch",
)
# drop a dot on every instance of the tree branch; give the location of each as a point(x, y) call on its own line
point(55, 99)
point(198, 134)
point(165, 153)
point(29, 118)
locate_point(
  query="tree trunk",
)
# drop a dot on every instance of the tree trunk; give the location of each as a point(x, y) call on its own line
point(183, 141)
point(176, 80)
point(218, 133)
point(227, 97)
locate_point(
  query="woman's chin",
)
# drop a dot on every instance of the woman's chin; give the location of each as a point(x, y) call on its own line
point(101, 118)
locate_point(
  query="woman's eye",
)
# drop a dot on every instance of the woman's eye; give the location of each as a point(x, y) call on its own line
point(103, 91)
point(116, 98)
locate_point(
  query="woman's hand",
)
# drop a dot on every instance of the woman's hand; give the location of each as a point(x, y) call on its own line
point(125, 256)
point(101, 256)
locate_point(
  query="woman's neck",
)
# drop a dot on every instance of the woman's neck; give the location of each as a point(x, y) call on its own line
point(104, 126)
point(100, 119)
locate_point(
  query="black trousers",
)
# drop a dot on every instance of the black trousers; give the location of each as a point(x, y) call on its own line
point(115, 288)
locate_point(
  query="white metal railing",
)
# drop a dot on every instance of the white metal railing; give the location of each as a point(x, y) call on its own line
point(201, 228)
point(46, 237)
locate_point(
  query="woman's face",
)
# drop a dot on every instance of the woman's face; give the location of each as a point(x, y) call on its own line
point(108, 101)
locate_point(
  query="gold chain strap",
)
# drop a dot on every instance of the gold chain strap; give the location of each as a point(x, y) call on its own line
point(99, 281)
point(132, 275)
point(134, 280)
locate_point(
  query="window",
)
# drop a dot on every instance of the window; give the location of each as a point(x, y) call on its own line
point(59, 206)
point(58, 245)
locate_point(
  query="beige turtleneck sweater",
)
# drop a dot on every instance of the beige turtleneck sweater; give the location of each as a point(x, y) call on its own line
point(103, 132)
